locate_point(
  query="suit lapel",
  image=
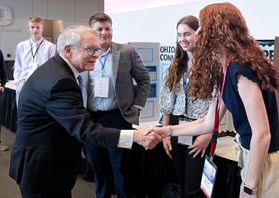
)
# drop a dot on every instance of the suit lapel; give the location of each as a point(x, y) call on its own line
point(115, 50)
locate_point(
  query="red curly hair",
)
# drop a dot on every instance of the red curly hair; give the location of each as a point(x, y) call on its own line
point(223, 31)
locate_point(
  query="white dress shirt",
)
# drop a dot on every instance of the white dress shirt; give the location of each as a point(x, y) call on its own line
point(24, 56)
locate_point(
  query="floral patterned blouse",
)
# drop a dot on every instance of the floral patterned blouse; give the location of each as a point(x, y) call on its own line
point(175, 103)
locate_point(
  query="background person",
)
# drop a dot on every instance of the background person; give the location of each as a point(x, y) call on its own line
point(248, 93)
point(53, 123)
point(177, 106)
point(3, 80)
point(32, 53)
point(117, 105)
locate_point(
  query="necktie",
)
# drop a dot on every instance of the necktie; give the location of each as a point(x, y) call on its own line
point(80, 82)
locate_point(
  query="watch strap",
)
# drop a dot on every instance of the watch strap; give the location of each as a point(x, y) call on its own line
point(249, 190)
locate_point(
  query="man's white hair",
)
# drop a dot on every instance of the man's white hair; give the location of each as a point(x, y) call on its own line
point(71, 36)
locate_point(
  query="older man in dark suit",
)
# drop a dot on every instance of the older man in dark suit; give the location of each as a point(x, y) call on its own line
point(53, 124)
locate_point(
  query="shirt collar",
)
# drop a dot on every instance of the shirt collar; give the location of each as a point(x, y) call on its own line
point(108, 51)
point(37, 42)
point(74, 70)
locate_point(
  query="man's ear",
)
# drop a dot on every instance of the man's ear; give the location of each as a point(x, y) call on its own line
point(68, 51)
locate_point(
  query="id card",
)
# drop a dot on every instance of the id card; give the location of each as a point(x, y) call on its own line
point(101, 87)
point(208, 176)
point(185, 140)
point(33, 65)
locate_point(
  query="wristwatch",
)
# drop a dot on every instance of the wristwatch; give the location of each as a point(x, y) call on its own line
point(249, 190)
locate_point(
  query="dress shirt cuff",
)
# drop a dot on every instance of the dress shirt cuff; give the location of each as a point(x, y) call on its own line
point(139, 107)
point(126, 139)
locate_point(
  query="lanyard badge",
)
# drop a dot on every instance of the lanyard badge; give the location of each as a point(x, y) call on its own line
point(35, 50)
point(210, 169)
point(101, 88)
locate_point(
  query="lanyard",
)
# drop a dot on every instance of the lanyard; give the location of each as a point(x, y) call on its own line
point(217, 110)
point(33, 55)
point(186, 86)
point(103, 64)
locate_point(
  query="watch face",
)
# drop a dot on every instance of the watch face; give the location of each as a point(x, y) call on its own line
point(249, 191)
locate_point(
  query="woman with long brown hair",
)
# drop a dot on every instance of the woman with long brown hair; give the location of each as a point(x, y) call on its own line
point(177, 107)
point(229, 62)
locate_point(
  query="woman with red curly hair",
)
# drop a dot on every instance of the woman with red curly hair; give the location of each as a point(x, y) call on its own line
point(227, 59)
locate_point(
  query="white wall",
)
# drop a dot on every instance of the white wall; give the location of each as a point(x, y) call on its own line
point(158, 24)
point(151, 25)
point(70, 12)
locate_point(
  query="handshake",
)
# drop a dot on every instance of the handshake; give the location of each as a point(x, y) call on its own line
point(149, 137)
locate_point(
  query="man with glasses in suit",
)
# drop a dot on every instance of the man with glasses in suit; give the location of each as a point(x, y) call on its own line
point(53, 123)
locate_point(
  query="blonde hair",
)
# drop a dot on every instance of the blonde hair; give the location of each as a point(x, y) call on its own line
point(35, 19)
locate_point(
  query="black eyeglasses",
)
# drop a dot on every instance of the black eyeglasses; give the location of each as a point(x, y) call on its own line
point(90, 50)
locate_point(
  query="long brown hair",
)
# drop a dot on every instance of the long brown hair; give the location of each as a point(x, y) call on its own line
point(224, 31)
point(177, 68)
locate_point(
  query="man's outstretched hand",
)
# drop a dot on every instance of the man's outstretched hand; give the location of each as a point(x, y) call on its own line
point(148, 141)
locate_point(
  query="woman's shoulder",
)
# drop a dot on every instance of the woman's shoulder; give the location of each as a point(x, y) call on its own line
point(243, 69)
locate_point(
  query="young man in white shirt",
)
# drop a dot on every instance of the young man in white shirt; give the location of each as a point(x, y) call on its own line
point(32, 53)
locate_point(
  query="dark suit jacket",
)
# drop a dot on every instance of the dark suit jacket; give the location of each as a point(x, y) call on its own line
point(127, 67)
point(52, 123)
point(3, 71)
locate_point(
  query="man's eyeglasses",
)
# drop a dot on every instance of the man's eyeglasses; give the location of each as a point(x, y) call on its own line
point(90, 50)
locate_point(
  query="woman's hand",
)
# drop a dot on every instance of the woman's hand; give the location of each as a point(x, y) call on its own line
point(200, 145)
point(167, 146)
point(2, 89)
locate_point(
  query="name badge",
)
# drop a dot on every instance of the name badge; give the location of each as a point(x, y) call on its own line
point(208, 176)
point(33, 65)
point(185, 140)
point(101, 87)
